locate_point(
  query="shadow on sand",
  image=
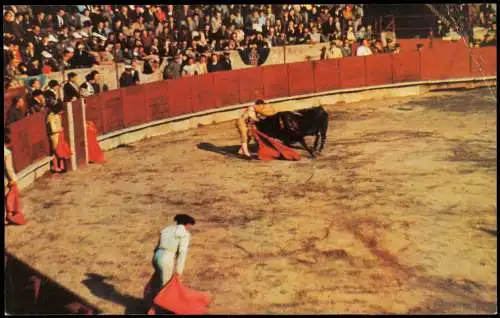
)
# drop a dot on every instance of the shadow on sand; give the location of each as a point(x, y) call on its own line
point(227, 151)
point(99, 287)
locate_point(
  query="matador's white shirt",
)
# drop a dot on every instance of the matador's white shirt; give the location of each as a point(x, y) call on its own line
point(175, 238)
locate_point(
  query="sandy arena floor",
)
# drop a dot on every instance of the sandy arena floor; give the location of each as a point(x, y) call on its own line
point(397, 216)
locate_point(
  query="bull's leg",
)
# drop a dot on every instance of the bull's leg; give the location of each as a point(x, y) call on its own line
point(323, 136)
point(303, 143)
point(316, 141)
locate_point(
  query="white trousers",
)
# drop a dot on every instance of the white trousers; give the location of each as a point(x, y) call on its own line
point(165, 261)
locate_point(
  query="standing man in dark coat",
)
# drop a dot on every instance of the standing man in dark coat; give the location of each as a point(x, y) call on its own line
point(129, 77)
point(215, 65)
point(38, 102)
point(226, 61)
point(70, 89)
point(51, 94)
point(173, 69)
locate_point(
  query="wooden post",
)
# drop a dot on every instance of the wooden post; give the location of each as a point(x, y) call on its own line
point(85, 130)
point(71, 134)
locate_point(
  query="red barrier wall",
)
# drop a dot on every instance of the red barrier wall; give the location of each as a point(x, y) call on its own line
point(227, 88)
point(202, 92)
point(438, 44)
point(20, 144)
point(93, 112)
point(112, 111)
point(301, 78)
point(326, 75)
point(410, 45)
point(275, 81)
point(378, 69)
point(251, 84)
point(483, 61)
point(451, 62)
point(406, 67)
point(29, 140)
point(134, 112)
point(157, 101)
point(352, 72)
point(180, 98)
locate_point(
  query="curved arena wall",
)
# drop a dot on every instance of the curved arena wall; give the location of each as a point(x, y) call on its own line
point(129, 114)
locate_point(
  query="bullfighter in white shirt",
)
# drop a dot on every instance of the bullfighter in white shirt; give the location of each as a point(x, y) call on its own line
point(174, 239)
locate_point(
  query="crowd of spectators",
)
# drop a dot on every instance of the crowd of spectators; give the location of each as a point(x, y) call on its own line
point(44, 39)
point(453, 24)
point(193, 39)
point(485, 16)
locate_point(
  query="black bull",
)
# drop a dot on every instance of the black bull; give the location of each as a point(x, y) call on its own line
point(291, 127)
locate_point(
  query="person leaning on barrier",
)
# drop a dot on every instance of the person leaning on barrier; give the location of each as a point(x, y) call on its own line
point(70, 89)
point(129, 77)
point(334, 52)
point(173, 69)
point(52, 92)
point(364, 49)
point(91, 86)
point(17, 110)
point(34, 85)
point(226, 61)
point(38, 102)
point(397, 49)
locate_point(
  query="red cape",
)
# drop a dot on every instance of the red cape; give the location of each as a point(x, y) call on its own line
point(271, 148)
point(63, 151)
point(181, 299)
point(14, 214)
point(95, 152)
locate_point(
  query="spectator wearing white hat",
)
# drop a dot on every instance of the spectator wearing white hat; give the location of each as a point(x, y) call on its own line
point(129, 77)
point(65, 63)
point(107, 55)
